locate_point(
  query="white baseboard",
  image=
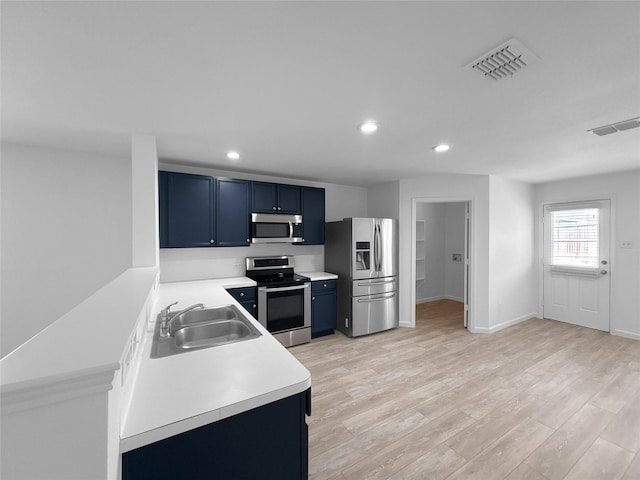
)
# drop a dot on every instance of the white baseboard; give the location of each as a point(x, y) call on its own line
point(430, 299)
point(624, 333)
point(439, 297)
point(457, 299)
point(508, 323)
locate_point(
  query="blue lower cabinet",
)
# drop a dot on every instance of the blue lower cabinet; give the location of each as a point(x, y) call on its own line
point(323, 307)
point(246, 296)
point(268, 442)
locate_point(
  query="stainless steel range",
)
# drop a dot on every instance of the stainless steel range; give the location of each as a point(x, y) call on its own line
point(284, 298)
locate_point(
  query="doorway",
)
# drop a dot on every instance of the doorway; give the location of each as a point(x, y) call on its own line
point(576, 279)
point(441, 255)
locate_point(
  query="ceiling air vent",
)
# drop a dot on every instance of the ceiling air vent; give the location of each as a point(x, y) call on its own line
point(616, 127)
point(504, 61)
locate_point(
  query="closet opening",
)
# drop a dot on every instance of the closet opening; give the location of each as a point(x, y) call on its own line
point(441, 263)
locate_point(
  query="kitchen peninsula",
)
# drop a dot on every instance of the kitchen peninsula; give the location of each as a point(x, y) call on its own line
point(239, 398)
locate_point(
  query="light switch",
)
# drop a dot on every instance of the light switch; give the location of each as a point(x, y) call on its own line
point(626, 244)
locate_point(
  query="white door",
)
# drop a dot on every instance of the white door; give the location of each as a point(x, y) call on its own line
point(576, 263)
point(467, 220)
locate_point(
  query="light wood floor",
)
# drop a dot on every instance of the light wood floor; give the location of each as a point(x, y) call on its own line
point(539, 400)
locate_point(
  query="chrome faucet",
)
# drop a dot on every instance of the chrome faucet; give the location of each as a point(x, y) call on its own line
point(166, 316)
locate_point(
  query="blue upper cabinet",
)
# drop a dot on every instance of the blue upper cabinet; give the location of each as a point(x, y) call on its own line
point(313, 215)
point(232, 213)
point(289, 199)
point(186, 205)
point(202, 211)
point(275, 198)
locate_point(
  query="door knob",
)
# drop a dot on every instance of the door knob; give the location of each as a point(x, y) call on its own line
point(603, 262)
point(603, 272)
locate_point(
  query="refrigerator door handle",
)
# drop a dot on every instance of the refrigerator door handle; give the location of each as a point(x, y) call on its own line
point(376, 247)
point(367, 283)
point(377, 299)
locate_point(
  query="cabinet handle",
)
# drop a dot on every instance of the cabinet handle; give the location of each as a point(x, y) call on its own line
point(279, 208)
point(324, 285)
point(274, 208)
point(248, 240)
point(313, 298)
point(211, 242)
point(242, 294)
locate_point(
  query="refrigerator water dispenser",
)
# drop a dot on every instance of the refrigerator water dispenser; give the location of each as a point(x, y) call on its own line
point(363, 255)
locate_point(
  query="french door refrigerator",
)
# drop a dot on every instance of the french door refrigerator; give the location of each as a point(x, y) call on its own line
point(363, 252)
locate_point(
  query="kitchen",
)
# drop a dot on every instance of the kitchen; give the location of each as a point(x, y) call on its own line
point(60, 186)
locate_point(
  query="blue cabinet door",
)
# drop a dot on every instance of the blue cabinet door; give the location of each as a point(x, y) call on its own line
point(264, 197)
point(188, 201)
point(163, 209)
point(246, 296)
point(275, 198)
point(268, 442)
point(289, 199)
point(313, 215)
point(232, 213)
point(323, 307)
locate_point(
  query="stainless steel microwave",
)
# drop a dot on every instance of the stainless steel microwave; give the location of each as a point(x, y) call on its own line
point(276, 228)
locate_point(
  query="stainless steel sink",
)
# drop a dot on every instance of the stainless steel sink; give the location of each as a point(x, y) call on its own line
point(204, 328)
point(213, 314)
point(215, 333)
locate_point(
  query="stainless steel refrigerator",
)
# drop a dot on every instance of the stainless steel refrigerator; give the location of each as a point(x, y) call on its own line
point(364, 254)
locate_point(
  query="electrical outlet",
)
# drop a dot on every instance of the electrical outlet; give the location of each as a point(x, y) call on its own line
point(626, 244)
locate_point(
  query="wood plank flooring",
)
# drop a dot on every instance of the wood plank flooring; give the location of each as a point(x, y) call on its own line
point(541, 400)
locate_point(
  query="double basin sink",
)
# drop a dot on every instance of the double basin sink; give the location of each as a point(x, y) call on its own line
point(202, 328)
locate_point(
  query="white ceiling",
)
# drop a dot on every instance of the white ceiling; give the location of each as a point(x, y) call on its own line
point(287, 83)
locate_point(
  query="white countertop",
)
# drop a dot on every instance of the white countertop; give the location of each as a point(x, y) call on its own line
point(181, 392)
point(315, 276)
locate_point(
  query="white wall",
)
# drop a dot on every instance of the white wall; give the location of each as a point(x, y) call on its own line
point(66, 232)
point(513, 273)
point(448, 188)
point(383, 200)
point(454, 220)
point(144, 201)
point(624, 191)
point(181, 264)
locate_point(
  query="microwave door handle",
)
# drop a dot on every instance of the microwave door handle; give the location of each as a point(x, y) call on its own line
point(291, 230)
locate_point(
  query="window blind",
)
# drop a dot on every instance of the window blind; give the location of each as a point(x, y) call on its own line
point(575, 237)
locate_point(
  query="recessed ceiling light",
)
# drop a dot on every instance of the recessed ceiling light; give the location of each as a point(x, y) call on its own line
point(232, 155)
point(443, 147)
point(368, 127)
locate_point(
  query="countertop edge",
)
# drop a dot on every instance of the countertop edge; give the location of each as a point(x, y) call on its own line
point(319, 276)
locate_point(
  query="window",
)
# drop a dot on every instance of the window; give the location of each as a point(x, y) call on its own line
point(574, 237)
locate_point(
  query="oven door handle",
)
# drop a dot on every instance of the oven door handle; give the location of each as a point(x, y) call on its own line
point(284, 289)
